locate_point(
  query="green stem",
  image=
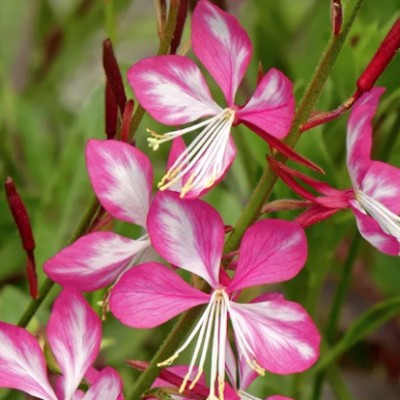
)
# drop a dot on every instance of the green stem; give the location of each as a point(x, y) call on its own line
point(341, 291)
point(337, 384)
point(48, 284)
point(262, 190)
point(334, 315)
point(109, 17)
point(166, 350)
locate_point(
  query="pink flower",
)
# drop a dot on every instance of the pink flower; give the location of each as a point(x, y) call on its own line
point(74, 336)
point(174, 92)
point(271, 333)
point(122, 179)
point(375, 195)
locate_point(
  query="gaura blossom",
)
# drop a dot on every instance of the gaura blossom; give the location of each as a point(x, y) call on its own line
point(271, 334)
point(122, 178)
point(174, 92)
point(375, 195)
point(74, 336)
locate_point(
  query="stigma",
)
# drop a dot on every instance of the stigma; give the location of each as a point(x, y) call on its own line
point(202, 162)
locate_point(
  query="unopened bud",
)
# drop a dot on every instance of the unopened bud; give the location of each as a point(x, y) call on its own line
point(113, 74)
point(381, 59)
point(21, 219)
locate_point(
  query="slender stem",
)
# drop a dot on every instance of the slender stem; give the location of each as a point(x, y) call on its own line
point(261, 192)
point(181, 328)
point(109, 16)
point(34, 305)
point(337, 384)
point(341, 291)
point(337, 303)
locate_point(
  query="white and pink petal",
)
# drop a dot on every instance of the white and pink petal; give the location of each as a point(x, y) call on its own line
point(278, 335)
point(172, 89)
point(22, 364)
point(94, 260)
point(210, 169)
point(188, 234)
point(271, 251)
point(271, 107)
point(222, 45)
point(74, 335)
point(151, 294)
point(107, 386)
point(359, 135)
point(122, 178)
point(374, 234)
point(381, 182)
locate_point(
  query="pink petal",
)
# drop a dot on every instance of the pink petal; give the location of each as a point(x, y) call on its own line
point(359, 135)
point(215, 171)
point(381, 182)
point(188, 234)
point(373, 233)
point(280, 333)
point(271, 107)
point(172, 89)
point(222, 45)
point(22, 365)
point(107, 386)
point(74, 335)
point(122, 178)
point(277, 397)
point(151, 294)
point(271, 251)
point(94, 261)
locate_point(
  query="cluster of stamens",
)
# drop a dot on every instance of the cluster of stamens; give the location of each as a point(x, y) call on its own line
point(211, 332)
point(201, 162)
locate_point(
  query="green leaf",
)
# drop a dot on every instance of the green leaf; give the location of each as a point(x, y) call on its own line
point(367, 322)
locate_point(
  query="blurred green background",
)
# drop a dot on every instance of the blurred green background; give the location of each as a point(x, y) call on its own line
point(52, 101)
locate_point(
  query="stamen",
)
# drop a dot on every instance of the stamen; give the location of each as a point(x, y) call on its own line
point(213, 321)
point(245, 348)
point(205, 151)
point(387, 220)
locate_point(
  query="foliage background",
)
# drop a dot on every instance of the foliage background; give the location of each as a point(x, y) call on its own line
point(51, 102)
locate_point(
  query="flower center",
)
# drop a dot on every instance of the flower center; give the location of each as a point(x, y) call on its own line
point(387, 220)
point(202, 160)
point(211, 329)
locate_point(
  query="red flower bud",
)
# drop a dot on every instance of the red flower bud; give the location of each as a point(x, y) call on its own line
point(21, 218)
